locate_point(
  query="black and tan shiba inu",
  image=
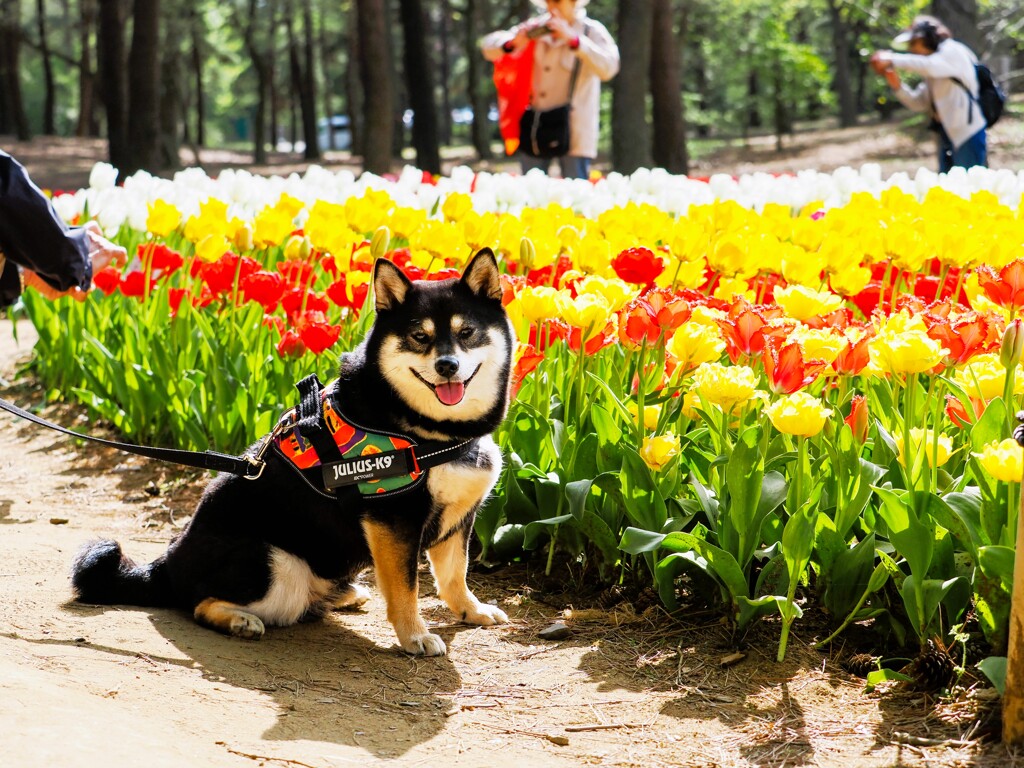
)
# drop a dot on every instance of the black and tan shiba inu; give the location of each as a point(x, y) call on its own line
point(432, 372)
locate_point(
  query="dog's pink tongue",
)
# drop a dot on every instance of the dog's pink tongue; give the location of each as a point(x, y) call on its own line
point(450, 393)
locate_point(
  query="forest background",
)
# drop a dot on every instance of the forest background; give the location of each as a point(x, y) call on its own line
point(399, 81)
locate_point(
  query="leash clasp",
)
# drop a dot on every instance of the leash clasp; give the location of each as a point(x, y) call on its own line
point(257, 460)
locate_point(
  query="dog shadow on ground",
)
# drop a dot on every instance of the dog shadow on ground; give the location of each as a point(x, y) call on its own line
point(328, 681)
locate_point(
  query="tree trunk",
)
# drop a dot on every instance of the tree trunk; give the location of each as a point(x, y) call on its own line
point(669, 150)
point(630, 142)
point(307, 84)
point(50, 97)
point(12, 105)
point(198, 33)
point(841, 46)
point(753, 100)
point(112, 78)
point(420, 86)
point(261, 66)
point(353, 80)
point(87, 125)
point(378, 90)
point(477, 82)
point(171, 91)
point(325, 72)
point(144, 88)
point(444, 33)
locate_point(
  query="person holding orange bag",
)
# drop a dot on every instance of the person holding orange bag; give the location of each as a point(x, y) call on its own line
point(554, 60)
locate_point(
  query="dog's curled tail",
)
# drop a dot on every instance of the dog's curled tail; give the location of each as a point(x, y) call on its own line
point(101, 574)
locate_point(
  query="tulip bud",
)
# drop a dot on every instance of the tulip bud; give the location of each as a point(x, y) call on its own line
point(380, 242)
point(1012, 346)
point(858, 418)
point(527, 253)
point(243, 239)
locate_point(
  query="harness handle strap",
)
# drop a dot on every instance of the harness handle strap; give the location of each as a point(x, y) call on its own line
point(245, 466)
point(310, 420)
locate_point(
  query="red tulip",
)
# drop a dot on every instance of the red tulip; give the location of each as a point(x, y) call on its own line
point(527, 360)
point(266, 288)
point(638, 265)
point(786, 367)
point(296, 272)
point(134, 283)
point(853, 358)
point(316, 333)
point(291, 345)
point(107, 279)
point(1005, 288)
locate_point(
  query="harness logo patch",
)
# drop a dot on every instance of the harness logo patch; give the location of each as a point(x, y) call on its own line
point(368, 468)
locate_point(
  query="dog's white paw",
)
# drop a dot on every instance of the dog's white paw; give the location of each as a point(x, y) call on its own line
point(247, 625)
point(354, 596)
point(425, 644)
point(484, 615)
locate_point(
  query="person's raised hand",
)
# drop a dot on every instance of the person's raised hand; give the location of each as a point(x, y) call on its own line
point(893, 79)
point(880, 62)
point(102, 251)
point(561, 29)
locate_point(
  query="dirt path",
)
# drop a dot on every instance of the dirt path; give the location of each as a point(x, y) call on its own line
point(65, 163)
point(90, 686)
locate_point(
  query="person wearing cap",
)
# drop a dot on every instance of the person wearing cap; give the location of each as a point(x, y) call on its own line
point(37, 248)
point(564, 35)
point(948, 90)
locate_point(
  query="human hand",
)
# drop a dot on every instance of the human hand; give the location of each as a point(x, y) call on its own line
point(102, 251)
point(880, 62)
point(893, 79)
point(561, 29)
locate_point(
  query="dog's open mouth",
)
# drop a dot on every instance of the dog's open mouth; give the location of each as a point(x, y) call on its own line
point(449, 392)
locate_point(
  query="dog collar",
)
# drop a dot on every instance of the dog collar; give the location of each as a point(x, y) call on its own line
point(333, 452)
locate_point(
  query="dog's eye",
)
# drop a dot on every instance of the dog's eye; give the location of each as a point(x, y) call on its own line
point(467, 333)
point(419, 337)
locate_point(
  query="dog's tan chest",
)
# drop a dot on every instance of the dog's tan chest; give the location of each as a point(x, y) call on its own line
point(457, 487)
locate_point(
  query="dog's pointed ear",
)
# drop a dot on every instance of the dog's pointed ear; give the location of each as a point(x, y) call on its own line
point(390, 285)
point(482, 276)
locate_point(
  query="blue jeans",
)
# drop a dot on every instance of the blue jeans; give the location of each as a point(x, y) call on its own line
point(972, 152)
point(572, 167)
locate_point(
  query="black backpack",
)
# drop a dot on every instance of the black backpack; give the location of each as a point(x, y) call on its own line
point(991, 98)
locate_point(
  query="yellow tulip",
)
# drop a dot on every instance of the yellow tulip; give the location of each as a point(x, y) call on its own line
point(693, 344)
point(803, 303)
point(588, 312)
point(539, 302)
point(456, 206)
point(798, 414)
point(659, 450)
point(651, 414)
point(725, 385)
point(163, 218)
point(271, 226)
point(1003, 460)
point(212, 247)
point(938, 450)
point(617, 293)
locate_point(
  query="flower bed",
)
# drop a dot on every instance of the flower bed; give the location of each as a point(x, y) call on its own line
point(791, 391)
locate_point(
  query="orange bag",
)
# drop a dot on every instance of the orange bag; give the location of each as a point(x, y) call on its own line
point(513, 80)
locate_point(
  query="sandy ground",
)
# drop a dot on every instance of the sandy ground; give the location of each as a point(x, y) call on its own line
point(91, 686)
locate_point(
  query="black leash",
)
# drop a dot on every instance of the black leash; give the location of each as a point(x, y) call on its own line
point(249, 467)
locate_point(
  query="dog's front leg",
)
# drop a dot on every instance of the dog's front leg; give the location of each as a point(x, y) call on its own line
point(394, 562)
point(448, 561)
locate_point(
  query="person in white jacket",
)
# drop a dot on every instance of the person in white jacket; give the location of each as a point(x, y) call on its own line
point(948, 91)
point(564, 36)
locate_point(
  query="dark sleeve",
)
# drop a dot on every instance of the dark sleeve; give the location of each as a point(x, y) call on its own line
point(33, 235)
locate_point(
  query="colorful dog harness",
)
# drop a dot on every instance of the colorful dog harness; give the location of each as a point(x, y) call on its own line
point(333, 453)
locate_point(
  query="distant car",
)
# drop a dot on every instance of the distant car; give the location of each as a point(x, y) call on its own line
point(340, 127)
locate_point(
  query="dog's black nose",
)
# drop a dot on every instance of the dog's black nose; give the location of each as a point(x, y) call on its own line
point(446, 366)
